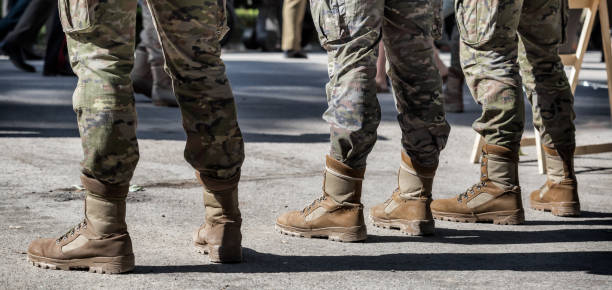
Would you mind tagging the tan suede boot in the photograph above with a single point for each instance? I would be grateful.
(496, 198)
(337, 215)
(559, 194)
(162, 93)
(408, 209)
(453, 91)
(219, 237)
(100, 243)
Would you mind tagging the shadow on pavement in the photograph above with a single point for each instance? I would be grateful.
(599, 263)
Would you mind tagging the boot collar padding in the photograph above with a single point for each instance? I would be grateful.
(97, 187)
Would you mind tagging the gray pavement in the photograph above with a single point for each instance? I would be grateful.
(280, 104)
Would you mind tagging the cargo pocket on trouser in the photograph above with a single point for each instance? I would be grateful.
(330, 20)
(77, 15)
(483, 22)
(222, 28)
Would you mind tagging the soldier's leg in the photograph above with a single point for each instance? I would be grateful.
(190, 31)
(417, 88)
(489, 46)
(542, 30)
(349, 31)
(101, 48)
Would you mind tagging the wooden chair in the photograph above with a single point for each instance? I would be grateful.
(575, 62)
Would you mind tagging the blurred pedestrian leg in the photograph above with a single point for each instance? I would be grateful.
(8, 22)
(148, 75)
(293, 18)
(26, 31)
(381, 70)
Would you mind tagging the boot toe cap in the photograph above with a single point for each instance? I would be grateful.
(442, 205)
(288, 219)
(40, 247)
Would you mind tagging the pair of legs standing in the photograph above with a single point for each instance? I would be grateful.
(101, 36)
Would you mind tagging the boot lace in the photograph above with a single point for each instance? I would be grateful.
(71, 232)
(313, 204)
(470, 191)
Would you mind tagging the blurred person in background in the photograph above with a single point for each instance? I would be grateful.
(148, 75)
(16, 43)
(293, 18)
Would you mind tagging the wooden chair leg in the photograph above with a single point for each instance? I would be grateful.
(605, 37)
(540, 152)
(477, 149)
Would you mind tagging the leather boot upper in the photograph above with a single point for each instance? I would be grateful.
(80, 243)
(561, 184)
(223, 218)
(497, 190)
(412, 199)
(340, 205)
(103, 233)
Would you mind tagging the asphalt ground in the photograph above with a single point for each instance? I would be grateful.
(280, 103)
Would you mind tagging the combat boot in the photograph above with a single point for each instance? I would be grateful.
(559, 194)
(453, 91)
(100, 243)
(496, 198)
(142, 80)
(408, 209)
(337, 215)
(162, 93)
(219, 237)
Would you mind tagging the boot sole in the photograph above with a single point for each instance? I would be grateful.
(101, 265)
(408, 227)
(558, 208)
(506, 217)
(338, 234)
(220, 254)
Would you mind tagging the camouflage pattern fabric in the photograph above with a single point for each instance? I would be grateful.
(101, 48)
(350, 32)
(499, 39)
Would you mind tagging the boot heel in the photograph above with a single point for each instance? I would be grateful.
(114, 265)
(418, 228)
(565, 208)
(516, 217)
(355, 234)
(221, 254)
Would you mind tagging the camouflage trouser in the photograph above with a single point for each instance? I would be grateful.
(501, 37)
(101, 47)
(350, 30)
